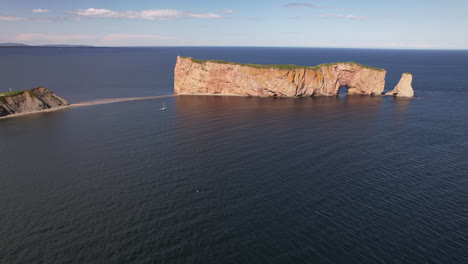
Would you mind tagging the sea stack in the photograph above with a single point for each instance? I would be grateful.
(403, 88)
(32, 100)
(212, 77)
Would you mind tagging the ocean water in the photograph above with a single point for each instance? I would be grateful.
(348, 179)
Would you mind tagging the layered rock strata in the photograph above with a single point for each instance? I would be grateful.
(403, 88)
(36, 99)
(192, 76)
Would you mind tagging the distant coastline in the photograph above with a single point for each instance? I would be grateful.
(22, 45)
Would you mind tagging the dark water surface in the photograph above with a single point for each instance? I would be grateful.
(346, 179)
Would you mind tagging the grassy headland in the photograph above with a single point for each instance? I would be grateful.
(8, 94)
(14, 93)
(282, 66)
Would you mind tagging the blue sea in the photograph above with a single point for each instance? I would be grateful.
(347, 179)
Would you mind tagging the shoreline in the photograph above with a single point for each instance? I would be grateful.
(37, 112)
(89, 103)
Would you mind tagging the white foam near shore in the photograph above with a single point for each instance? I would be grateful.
(90, 103)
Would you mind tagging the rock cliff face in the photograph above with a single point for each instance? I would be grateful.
(403, 88)
(36, 99)
(193, 76)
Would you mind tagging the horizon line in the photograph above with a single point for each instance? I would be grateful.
(22, 45)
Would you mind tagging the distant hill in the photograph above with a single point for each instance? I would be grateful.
(12, 44)
(65, 46)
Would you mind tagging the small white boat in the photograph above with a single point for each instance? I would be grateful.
(163, 107)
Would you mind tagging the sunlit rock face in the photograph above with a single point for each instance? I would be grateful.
(193, 76)
(403, 88)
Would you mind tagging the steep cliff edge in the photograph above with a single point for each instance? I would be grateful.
(192, 76)
(36, 99)
(403, 88)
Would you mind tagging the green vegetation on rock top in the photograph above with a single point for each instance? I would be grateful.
(281, 66)
(9, 94)
(13, 93)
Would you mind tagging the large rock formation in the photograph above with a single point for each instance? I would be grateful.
(193, 76)
(36, 99)
(403, 88)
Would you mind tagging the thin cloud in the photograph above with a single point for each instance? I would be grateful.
(119, 37)
(89, 39)
(12, 18)
(351, 17)
(92, 12)
(133, 39)
(293, 5)
(40, 11)
(228, 11)
(41, 19)
(54, 39)
(152, 14)
(202, 15)
(405, 45)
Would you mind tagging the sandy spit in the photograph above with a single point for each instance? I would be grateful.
(118, 100)
(90, 103)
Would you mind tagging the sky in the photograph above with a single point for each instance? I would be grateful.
(397, 24)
